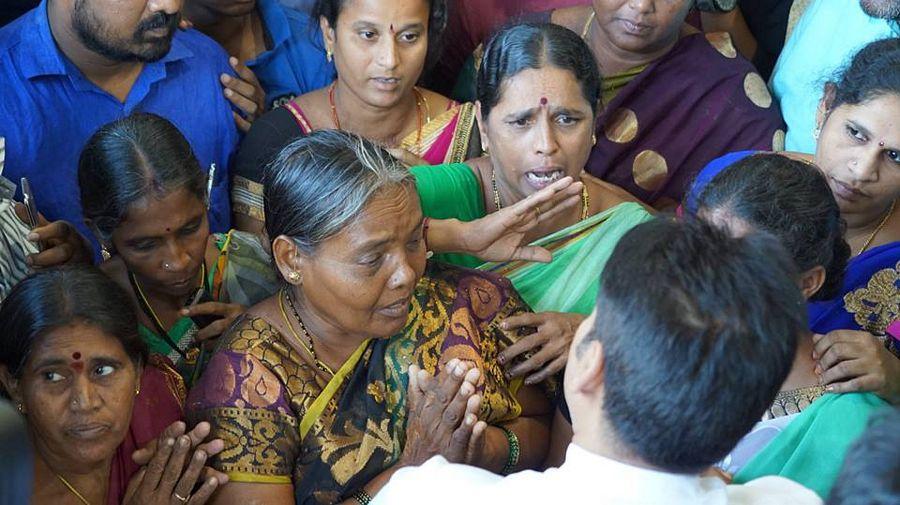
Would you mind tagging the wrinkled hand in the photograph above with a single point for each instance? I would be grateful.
(500, 236)
(442, 418)
(60, 241)
(227, 312)
(552, 338)
(244, 92)
(173, 465)
(407, 158)
(850, 361)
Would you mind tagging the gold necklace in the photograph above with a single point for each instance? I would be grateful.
(419, 119)
(72, 489)
(152, 313)
(883, 222)
(308, 348)
(585, 198)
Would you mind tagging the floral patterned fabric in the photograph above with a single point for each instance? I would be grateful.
(257, 390)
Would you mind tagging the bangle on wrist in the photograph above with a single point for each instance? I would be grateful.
(512, 459)
(362, 497)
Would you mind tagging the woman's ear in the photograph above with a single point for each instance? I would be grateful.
(327, 34)
(10, 385)
(825, 104)
(482, 128)
(288, 259)
(812, 280)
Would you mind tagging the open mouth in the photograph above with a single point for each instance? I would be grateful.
(540, 179)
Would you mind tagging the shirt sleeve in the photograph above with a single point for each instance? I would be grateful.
(409, 485)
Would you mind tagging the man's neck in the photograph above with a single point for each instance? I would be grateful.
(602, 441)
(114, 77)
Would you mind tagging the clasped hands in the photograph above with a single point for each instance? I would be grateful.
(443, 415)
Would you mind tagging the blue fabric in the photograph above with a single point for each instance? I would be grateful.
(825, 39)
(49, 109)
(296, 63)
(709, 171)
(832, 315)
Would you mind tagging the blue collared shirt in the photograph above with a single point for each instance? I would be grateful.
(49, 109)
(296, 62)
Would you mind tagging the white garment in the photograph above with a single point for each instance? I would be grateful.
(584, 477)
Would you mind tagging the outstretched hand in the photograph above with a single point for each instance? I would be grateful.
(500, 236)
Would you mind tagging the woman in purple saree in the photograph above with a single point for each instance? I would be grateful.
(674, 99)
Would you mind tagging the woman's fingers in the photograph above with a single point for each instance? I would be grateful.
(524, 319)
(174, 466)
(205, 492)
(546, 354)
(52, 256)
(548, 194)
(189, 478)
(548, 371)
(524, 345)
(157, 464)
(458, 448)
(242, 124)
(535, 254)
(837, 353)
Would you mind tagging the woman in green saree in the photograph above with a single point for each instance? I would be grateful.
(312, 390)
(144, 197)
(538, 93)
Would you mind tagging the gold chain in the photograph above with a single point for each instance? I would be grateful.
(73, 490)
(883, 222)
(308, 348)
(585, 198)
(140, 293)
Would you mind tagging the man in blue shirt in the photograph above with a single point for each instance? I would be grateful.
(71, 66)
(282, 46)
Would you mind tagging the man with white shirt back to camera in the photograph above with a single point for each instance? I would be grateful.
(692, 336)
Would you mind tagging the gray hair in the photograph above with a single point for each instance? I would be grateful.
(319, 184)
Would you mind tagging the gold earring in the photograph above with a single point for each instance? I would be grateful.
(593, 139)
(20, 408)
(328, 54)
(137, 390)
(104, 253)
(294, 277)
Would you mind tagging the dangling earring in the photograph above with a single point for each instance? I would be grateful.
(104, 252)
(20, 408)
(137, 390)
(328, 54)
(816, 132)
(593, 139)
(294, 277)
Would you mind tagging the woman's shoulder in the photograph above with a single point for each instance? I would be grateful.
(454, 286)
(435, 102)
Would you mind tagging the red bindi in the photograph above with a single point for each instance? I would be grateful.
(392, 28)
(543, 100)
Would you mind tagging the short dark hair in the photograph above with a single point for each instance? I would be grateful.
(437, 22)
(131, 158)
(533, 46)
(60, 296)
(699, 331)
(874, 71)
(871, 471)
(791, 200)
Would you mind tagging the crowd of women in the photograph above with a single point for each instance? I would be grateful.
(383, 232)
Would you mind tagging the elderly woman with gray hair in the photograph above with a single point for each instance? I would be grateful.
(369, 358)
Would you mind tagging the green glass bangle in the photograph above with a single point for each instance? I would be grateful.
(513, 458)
(362, 497)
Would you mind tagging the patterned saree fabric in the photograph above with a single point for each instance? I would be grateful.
(284, 423)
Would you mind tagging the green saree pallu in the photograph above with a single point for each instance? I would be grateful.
(811, 449)
(570, 282)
